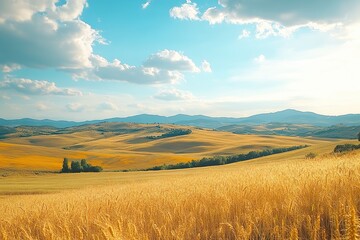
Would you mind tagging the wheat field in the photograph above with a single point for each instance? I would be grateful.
(307, 199)
(131, 149)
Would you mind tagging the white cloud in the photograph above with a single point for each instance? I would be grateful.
(280, 18)
(244, 34)
(31, 28)
(213, 16)
(289, 13)
(174, 95)
(57, 27)
(75, 107)
(206, 67)
(167, 66)
(9, 68)
(171, 60)
(145, 5)
(23, 10)
(71, 10)
(108, 106)
(36, 87)
(260, 59)
(187, 11)
(104, 70)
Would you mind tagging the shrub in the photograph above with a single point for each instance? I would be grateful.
(310, 155)
(346, 148)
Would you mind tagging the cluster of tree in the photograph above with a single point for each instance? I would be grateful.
(172, 133)
(346, 148)
(221, 160)
(79, 166)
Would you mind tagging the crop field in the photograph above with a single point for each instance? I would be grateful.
(117, 146)
(282, 196)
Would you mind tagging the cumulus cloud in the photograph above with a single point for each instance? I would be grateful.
(29, 28)
(206, 67)
(213, 15)
(23, 10)
(174, 95)
(116, 70)
(280, 18)
(70, 10)
(171, 60)
(167, 66)
(187, 10)
(289, 13)
(36, 87)
(50, 34)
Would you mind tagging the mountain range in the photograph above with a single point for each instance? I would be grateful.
(289, 116)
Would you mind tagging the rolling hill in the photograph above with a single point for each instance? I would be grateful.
(303, 130)
(118, 146)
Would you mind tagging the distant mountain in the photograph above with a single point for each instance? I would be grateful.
(35, 122)
(298, 117)
(287, 116)
(302, 130)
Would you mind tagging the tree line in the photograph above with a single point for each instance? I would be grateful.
(347, 147)
(79, 166)
(172, 133)
(221, 160)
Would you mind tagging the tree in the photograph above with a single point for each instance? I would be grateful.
(359, 136)
(84, 165)
(79, 166)
(75, 167)
(65, 167)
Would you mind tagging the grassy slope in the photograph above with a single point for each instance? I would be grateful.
(21, 183)
(115, 146)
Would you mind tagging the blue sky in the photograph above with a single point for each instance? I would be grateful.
(81, 60)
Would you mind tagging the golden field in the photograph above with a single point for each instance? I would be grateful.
(117, 146)
(281, 196)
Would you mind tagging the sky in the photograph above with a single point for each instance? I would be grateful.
(87, 59)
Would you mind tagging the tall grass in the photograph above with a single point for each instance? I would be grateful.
(311, 199)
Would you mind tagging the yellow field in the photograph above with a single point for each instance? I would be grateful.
(131, 150)
(282, 196)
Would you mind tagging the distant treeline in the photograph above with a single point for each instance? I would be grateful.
(221, 160)
(79, 166)
(346, 148)
(172, 133)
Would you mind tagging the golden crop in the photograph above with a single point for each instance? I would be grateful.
(302, 199)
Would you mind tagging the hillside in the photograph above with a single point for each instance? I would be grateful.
(117, 146)
(303, 130)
